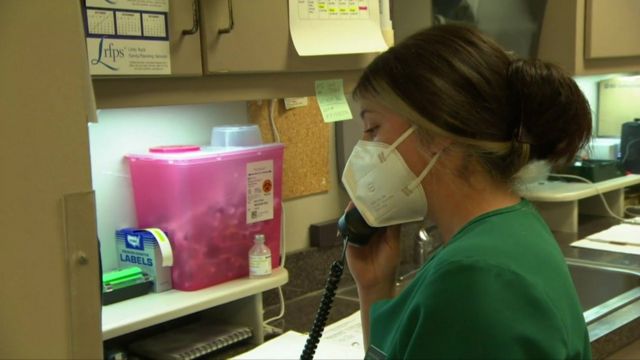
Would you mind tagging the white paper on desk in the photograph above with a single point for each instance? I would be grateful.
(290, 345)
(347, 332)
(330, 27)
(599, 245)
(624, 233)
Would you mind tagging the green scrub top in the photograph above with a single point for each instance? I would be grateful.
(499, 289)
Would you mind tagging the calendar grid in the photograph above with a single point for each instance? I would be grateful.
(158, 30)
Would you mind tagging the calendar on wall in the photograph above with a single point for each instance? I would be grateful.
(127, 37)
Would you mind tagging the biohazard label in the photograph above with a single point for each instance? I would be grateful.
(259, 191)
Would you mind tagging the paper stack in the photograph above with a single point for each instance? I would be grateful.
(341, 340)
(624, 238)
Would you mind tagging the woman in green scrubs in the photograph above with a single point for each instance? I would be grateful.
(450, 119)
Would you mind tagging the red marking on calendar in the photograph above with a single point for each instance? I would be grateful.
(364, 8)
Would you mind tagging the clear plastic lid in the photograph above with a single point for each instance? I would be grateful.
(245, 135)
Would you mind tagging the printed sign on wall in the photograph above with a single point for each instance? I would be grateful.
(127, 37)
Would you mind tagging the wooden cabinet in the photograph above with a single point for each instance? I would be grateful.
(592, 36)
(254, 59)
(50, 302)
(241, 36)
(410, 16)
(252, 36)
(612, 28)
(184, 38)
(583, 36)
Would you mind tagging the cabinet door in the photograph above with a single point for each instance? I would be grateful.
(612, 28)
(185, 47)
(259, 40)
(50, 301)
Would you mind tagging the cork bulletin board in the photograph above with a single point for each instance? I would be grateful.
(306, 137)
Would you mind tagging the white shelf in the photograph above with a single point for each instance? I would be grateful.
(154, 308)
(557, 191)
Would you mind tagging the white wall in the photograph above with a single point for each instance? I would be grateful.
(121, 131)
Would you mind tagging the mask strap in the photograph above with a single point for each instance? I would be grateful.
(385, 153)
(409, 188)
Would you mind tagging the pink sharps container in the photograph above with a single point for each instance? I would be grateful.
(211, 202)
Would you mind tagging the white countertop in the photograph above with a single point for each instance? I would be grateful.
(557, 191)
(147, 310)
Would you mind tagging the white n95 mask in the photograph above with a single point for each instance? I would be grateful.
(381, 185)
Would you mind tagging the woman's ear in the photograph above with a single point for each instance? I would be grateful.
(436, 145)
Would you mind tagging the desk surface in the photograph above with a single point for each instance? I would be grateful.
(151, 309)
(557, 191)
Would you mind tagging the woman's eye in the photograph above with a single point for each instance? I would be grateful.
(371, 130)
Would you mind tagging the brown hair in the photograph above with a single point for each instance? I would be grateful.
(452, 81)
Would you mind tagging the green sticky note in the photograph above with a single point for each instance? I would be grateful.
(333, 103)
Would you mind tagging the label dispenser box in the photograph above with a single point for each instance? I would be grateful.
(148, 249)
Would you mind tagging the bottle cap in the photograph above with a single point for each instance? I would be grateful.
(259, 238)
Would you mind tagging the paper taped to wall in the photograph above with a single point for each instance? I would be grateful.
(331, 27)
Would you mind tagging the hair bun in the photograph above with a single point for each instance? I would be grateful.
(550, 112)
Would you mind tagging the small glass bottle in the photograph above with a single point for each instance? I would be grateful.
(259, 258)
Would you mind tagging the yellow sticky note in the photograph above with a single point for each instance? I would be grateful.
(333, 103)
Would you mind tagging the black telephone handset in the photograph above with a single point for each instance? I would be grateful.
(354, 230)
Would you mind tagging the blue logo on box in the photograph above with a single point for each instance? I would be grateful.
(134, 242)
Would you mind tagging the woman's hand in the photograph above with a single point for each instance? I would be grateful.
(374, 265)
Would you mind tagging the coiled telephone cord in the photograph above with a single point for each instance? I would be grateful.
(322, 315)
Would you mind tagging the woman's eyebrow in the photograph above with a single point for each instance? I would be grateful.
(365, 112)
